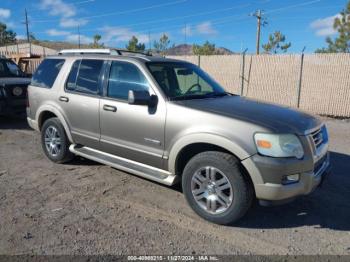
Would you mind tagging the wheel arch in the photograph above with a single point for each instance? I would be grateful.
(48, 111)
(205, 139)
(206, 142)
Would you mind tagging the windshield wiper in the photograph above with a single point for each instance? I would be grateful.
(216, 94)
(199, 96)
(187, 97)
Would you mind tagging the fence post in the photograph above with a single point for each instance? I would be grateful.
(199, 61)
(300, 76)
(242, 70)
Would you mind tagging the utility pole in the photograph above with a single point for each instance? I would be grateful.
(260, 22)
(149, 42)
(27, 29)
(185, 33)
(79, 36)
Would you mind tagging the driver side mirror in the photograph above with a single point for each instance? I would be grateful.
(142, 97)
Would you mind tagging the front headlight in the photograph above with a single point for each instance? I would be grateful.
(274, 145)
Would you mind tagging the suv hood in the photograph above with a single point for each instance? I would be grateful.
(14, 81)
(276, 118)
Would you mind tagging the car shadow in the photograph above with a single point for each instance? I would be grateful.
(327, 207)
(81, 161)
(14, 122)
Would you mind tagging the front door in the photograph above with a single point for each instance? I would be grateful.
(134, 132)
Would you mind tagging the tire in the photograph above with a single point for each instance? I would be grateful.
(228, 187)
(54, 141)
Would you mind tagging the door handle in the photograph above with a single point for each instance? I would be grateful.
(63, 98)
(109, 108)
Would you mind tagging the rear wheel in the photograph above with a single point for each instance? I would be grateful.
(55, 142)
(216, 187)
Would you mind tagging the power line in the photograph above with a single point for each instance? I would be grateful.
(37, 10)
(176, 18)
(169, 19)
(261, 20)
(219, 21)
(81, 2)
(293, 6)
(119, 12)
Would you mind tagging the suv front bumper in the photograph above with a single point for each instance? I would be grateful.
(268, 181)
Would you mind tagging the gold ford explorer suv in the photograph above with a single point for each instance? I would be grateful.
(168, 121)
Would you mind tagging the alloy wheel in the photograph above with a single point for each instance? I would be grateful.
(211, 190)
(52, 141)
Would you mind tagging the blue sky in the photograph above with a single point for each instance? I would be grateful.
(226, 23)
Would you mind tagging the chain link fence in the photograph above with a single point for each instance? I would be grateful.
(317, 83)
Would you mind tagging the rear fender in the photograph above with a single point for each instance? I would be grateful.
(60, 116)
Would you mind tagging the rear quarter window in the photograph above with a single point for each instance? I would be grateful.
(46, 73)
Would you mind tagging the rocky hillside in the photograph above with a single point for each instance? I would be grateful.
(185, 49)
(182, 49)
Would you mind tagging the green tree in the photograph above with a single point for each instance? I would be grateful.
(206, 49)
(276, 44)
(96, 43)
(341, 44)
(162, 45)
(33, 39)
(6, 36)
(134, 45)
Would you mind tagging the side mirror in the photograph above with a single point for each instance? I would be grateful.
(141, 97)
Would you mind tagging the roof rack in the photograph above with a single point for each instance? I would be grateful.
(87, 51)
(112, 51)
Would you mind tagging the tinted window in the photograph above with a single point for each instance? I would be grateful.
(184, 81)
(124, 77)
(72, 78)
(47, 72)
(84, 76)
(9, 69)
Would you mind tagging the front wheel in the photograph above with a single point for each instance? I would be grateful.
(216, 187)
(55, 142)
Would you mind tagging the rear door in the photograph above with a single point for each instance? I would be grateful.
(134, 132)
(80, 101)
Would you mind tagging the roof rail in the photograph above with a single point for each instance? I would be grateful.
(89, 51)
(126, 51)
(106, 51)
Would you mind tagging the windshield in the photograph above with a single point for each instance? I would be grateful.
(9, 69)
(184, 81)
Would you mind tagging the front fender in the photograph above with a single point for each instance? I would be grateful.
(207, 138)
(60, 116)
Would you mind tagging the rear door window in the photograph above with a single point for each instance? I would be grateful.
(84, 76)
(47, 72)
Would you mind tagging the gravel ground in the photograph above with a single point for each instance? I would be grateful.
(88, 208)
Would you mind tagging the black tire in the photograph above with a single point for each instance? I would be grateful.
(62, 155)
(242, 193)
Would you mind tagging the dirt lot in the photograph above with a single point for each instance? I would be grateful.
(88, 208)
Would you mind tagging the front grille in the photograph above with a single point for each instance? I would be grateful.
(317, 137)
(319, 164)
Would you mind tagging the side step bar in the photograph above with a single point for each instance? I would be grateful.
(149, 172)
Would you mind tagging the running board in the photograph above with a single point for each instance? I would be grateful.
(149, 172)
